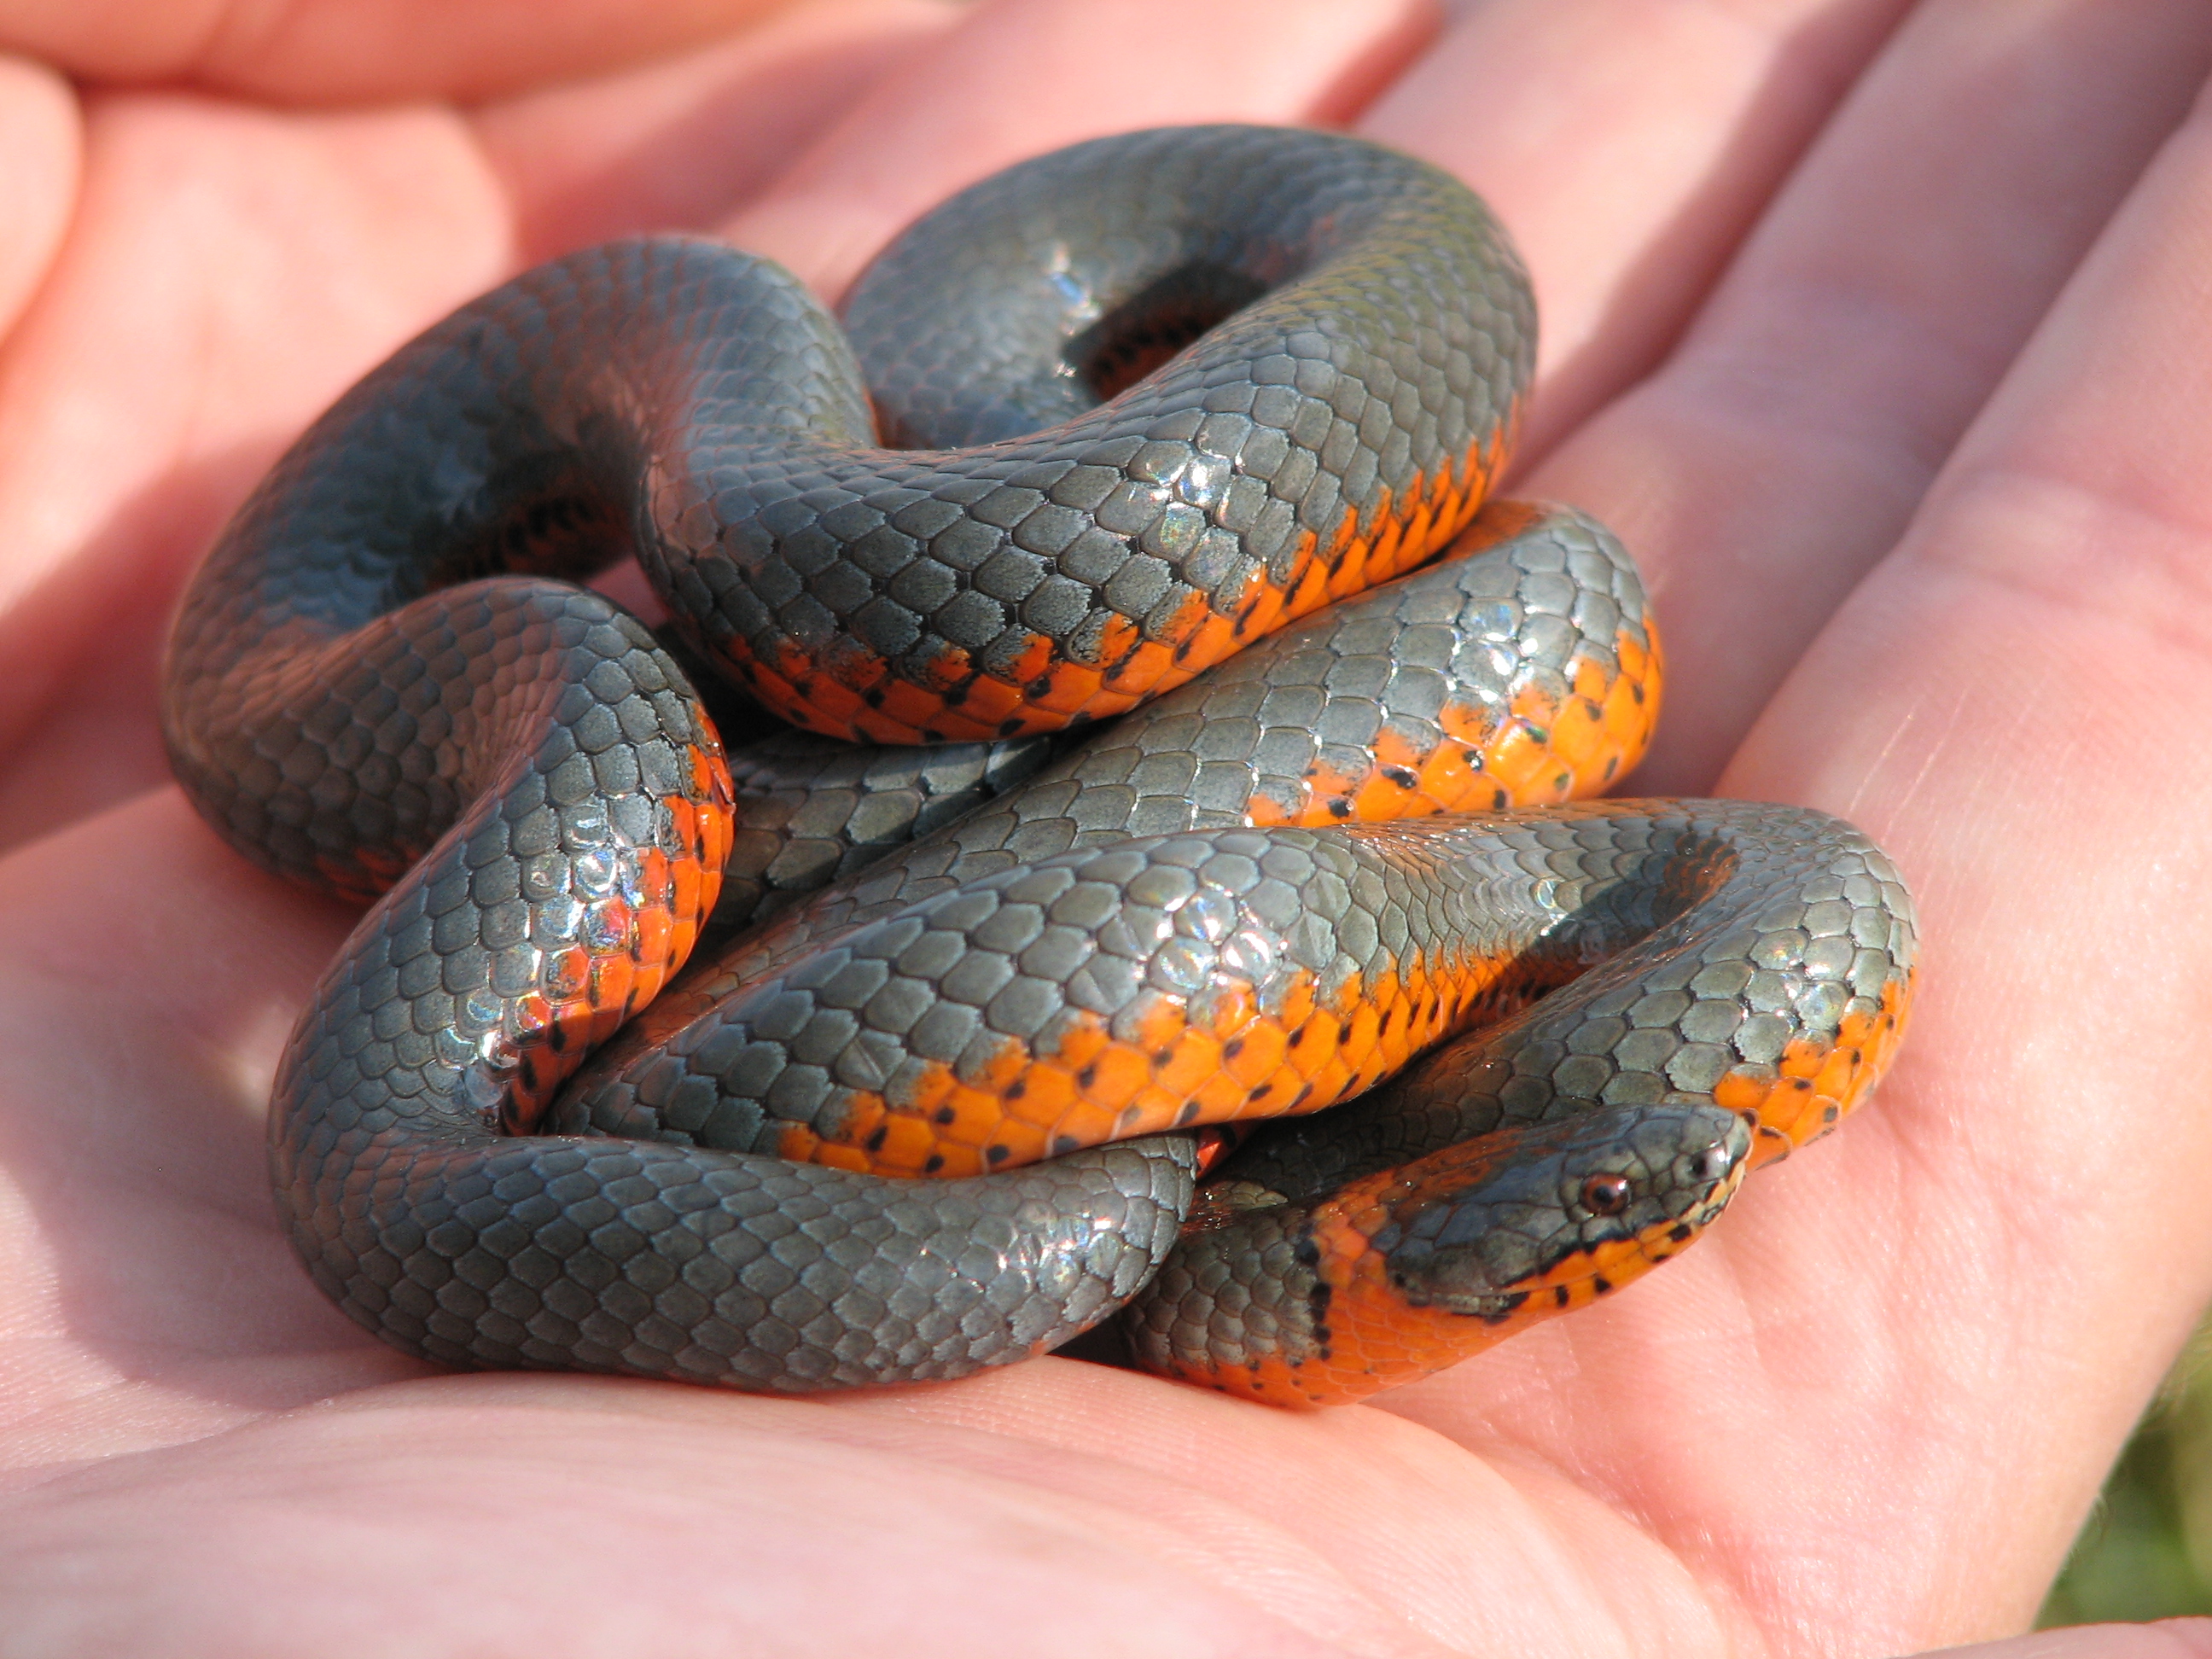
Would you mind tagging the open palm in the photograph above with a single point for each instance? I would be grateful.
(1881, 333)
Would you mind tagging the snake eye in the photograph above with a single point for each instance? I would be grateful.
(1606, 1195)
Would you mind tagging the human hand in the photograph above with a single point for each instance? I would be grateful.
(1865, 1416)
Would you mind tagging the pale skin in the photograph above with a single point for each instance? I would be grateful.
(1881, 335)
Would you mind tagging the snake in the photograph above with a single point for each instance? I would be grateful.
(1139, 867)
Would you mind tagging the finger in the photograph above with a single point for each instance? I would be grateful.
(1784, 445)
(1018, 77)
(1628, 147)
(1954, 1309)
(225, 273)
(2169, 1638)
(348, 51)
(678, 144)
(39, 135)
(2063, 866)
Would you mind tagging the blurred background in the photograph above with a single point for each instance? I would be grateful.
(2147, 1550)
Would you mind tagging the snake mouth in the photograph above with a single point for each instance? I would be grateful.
(1575, 1275)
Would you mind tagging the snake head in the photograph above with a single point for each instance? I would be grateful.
(1538, 1219)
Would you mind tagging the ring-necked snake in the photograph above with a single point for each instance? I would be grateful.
(1141, 403)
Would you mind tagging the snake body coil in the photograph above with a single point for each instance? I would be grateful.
(1154, 397)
